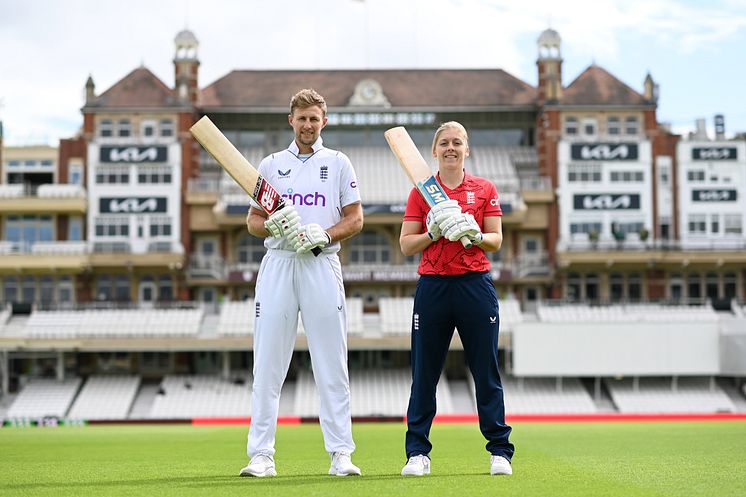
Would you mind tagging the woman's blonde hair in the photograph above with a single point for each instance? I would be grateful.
(450, 124)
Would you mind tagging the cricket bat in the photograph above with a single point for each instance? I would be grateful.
(240, 169)
(417, 170)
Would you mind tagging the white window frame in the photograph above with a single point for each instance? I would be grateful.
(124, 128)
(732, 224)
(146, 125)
(167, 128)
(613, 126)
(697, 224)
(106, 128)
(571, 126)
(589, 122)
(631, 126)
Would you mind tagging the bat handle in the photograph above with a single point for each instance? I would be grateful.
(466, 242)
(317, 250)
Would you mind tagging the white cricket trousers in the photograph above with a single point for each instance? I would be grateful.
(288, 283)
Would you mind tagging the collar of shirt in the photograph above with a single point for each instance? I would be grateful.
(467, 179)
(318, 145)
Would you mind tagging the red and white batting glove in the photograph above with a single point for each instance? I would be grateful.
(438, 214)
(309, 237)
(283, 222)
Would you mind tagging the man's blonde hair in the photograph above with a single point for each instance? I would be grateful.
(451, 124)
(307, 98)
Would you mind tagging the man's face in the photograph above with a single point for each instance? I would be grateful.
(307, 124)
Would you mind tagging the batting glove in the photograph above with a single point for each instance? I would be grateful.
(438, 214)
(462, 225)
(283, 222)
(309, 237)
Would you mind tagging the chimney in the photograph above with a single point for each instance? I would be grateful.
(701, 131)
(90, 90)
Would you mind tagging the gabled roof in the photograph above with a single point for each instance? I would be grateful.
(402, 88)
(140, 88)
(596, 86)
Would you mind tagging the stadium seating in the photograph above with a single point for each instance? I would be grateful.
(105, 323)
(396, 315)
(379, 392)
(379, 175)
(510, 314)
(658, 395)
(189, 396)
(625, 313)
(105, 397)
(543, 395)
(237, 318)
(44, 397)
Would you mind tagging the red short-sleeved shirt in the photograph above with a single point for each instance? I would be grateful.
(478, 197)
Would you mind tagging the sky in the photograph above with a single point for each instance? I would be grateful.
(693, 49)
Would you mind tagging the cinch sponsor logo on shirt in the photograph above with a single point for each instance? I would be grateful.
(494, 202)
(314, 198)
(353, 184)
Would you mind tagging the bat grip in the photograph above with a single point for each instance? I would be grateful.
(317, 250)
(466, 242)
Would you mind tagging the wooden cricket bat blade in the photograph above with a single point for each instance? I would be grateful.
(235, 164)
(417, 170)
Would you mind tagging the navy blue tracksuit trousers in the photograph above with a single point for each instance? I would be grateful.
(468, 303)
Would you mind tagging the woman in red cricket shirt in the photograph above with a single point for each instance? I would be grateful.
(455, 290)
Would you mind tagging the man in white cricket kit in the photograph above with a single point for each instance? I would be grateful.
(322, 207)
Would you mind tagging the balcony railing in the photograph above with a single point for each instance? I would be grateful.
(51, 190)
(530, 265)
(632, 242)
(210, 267)
(537, 184)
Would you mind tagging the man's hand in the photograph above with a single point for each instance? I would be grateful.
(309, 237)
(438, 215)
(462, 225)
(283, 222)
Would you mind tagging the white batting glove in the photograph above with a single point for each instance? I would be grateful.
(309, 237)
(462, 225)
(438, 214)
(283, 222)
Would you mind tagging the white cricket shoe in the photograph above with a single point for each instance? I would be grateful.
(500, 466)
(261, 465)
(417, 466)
(342, 465)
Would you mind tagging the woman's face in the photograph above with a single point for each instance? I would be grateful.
(451, 148)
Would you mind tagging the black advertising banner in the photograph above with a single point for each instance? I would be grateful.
(714, 195)
(133, 154)
(604, 151)
(606, 201)
(132, 205)
(714, 153)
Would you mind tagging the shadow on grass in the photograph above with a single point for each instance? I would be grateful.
(233, 481)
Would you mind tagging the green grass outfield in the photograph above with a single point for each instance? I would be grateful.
(676, 459)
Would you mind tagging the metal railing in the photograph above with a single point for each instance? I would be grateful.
(635, 244)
